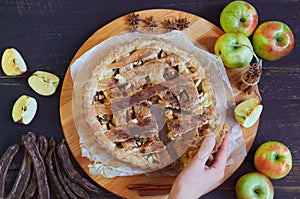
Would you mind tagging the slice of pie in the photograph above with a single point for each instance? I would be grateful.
(149, 103)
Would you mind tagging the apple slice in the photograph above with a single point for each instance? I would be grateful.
(13, 63)
(24, 109)
(43, 83)
(248, 112)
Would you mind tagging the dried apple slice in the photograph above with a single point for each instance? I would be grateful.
(24, 109)
(248, 112)
(44, 83)
(13, 63)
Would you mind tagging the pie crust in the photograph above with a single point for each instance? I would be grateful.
(149, 103)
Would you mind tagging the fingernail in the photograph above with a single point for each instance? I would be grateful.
(207, 147)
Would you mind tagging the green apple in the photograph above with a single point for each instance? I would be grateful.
(273, 40)
(235, 49)
(13, 63)
(24, 109)
(239, 16)
(44, 83)
(254, 185)
(247, 112)
(273, 159)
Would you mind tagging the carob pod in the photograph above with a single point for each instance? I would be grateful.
(32, 134)
(64, 184)
(32, 187)
(42, 144)
(80, 192)
(63, 155)
(5, 161)
(39, 166)
(22, 179)
(53, 179)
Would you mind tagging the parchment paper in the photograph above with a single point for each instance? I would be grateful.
(106, 165)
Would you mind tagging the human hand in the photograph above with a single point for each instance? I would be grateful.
(198, 178)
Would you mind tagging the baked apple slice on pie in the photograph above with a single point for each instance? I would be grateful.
(149, 103)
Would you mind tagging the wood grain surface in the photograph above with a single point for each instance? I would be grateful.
(199, 30)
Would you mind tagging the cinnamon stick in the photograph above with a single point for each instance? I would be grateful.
(250, 78)
(151, 189)
(153, 192)
(250, 90)
(243, 86)
(149, 186)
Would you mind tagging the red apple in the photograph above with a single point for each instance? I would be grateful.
(239, 16)
(273, 159)
(254, 185)
(235, 49)
(273, 40)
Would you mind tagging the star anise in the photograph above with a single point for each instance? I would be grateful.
(134, 20)
(170, 24)
(182, 23)
(150, 22)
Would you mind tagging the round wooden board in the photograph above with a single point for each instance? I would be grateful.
(200, 31)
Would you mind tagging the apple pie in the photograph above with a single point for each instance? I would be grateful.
(149, 103)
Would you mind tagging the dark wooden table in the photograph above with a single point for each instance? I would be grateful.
(49, 33)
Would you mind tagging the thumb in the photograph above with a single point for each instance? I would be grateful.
(205, 150)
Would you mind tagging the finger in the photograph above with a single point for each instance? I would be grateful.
(205, 150)
(221, 155)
